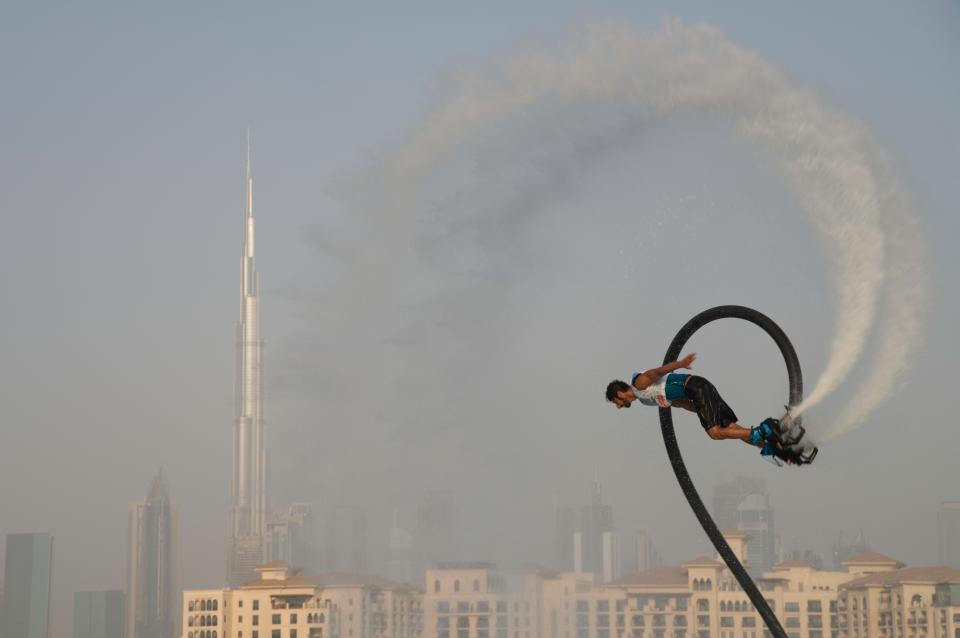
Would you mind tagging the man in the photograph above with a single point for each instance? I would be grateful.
(662, 387)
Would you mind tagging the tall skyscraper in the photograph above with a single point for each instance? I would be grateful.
(842, 549)
(152, 600)
(434, 535)
(290, 537)
(742, 504)
(948, 534)
(728, 496)
(27, 581)
(566, 524)
(248, 487)
(595, 546)
(346, 540)
(400, 557)
(755, 519)
(98, 614)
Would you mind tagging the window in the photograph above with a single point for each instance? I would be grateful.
(443, 623)
(275, 633)
(275, 619)
(726, 621)
(240, 603)
(791, 605)
(256, 605)
(483, 607)
(703, 604)
(191, 605)
(256, 620)
(443, 607)
(813, 606)
(476, 585)
(603, 605)
(748, 621)
(679, 621)
(456, 585)
(239, 619)
(436, 586)
(255, 634)
(582, 606)
(463, 607)
(293, 621)
(792, 622)
(815, 622)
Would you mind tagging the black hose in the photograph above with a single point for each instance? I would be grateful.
(676, 460)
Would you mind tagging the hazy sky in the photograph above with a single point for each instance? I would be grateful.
(460, 349)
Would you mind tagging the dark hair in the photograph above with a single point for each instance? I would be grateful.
(616, 386)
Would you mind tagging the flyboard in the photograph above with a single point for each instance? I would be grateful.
(790, 448)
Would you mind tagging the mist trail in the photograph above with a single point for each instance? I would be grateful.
(611, 81)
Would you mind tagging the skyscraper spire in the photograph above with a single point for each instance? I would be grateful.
(248, 485)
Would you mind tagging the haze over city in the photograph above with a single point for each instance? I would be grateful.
(457, 250)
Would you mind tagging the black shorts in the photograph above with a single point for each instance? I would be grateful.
(710, 407)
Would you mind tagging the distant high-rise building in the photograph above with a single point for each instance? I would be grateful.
(346, 540)
(434, 532)
(806, 556)
(152, 600)
(948, 534)
(28, 579)
(755, 518)
(248, 486)
(743, 505)
(98, 614)
(400, 546)
(728, 496)
(290, 536)
(594, 542)
(566, 525)
(645, 554)
(843, 550)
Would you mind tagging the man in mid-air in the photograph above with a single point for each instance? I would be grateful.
(663, 387)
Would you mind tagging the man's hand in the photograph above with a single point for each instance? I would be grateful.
(687, 361)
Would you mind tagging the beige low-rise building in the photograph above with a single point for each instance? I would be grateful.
(873, 596)
(282, 603)
(699, 598)
(901, 602)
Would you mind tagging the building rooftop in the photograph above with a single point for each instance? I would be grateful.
(326, 581)
(702, 561)
(872, 558)
(664, 575)
(933, 574)
(450, 565)
(791, 564)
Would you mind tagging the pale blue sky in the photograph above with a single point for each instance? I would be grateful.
(121, 147)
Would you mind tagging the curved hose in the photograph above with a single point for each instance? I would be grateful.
(676, 460)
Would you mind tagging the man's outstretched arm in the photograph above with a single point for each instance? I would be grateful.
(653, 375)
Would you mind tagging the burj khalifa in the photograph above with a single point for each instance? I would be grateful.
(249, 482)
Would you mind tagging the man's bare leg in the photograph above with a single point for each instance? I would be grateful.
(732, 431)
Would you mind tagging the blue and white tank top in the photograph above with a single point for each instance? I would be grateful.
(661, 394)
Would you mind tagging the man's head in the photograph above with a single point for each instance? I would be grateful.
(620, 394)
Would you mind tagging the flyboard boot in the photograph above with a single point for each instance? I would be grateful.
(779, 440)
